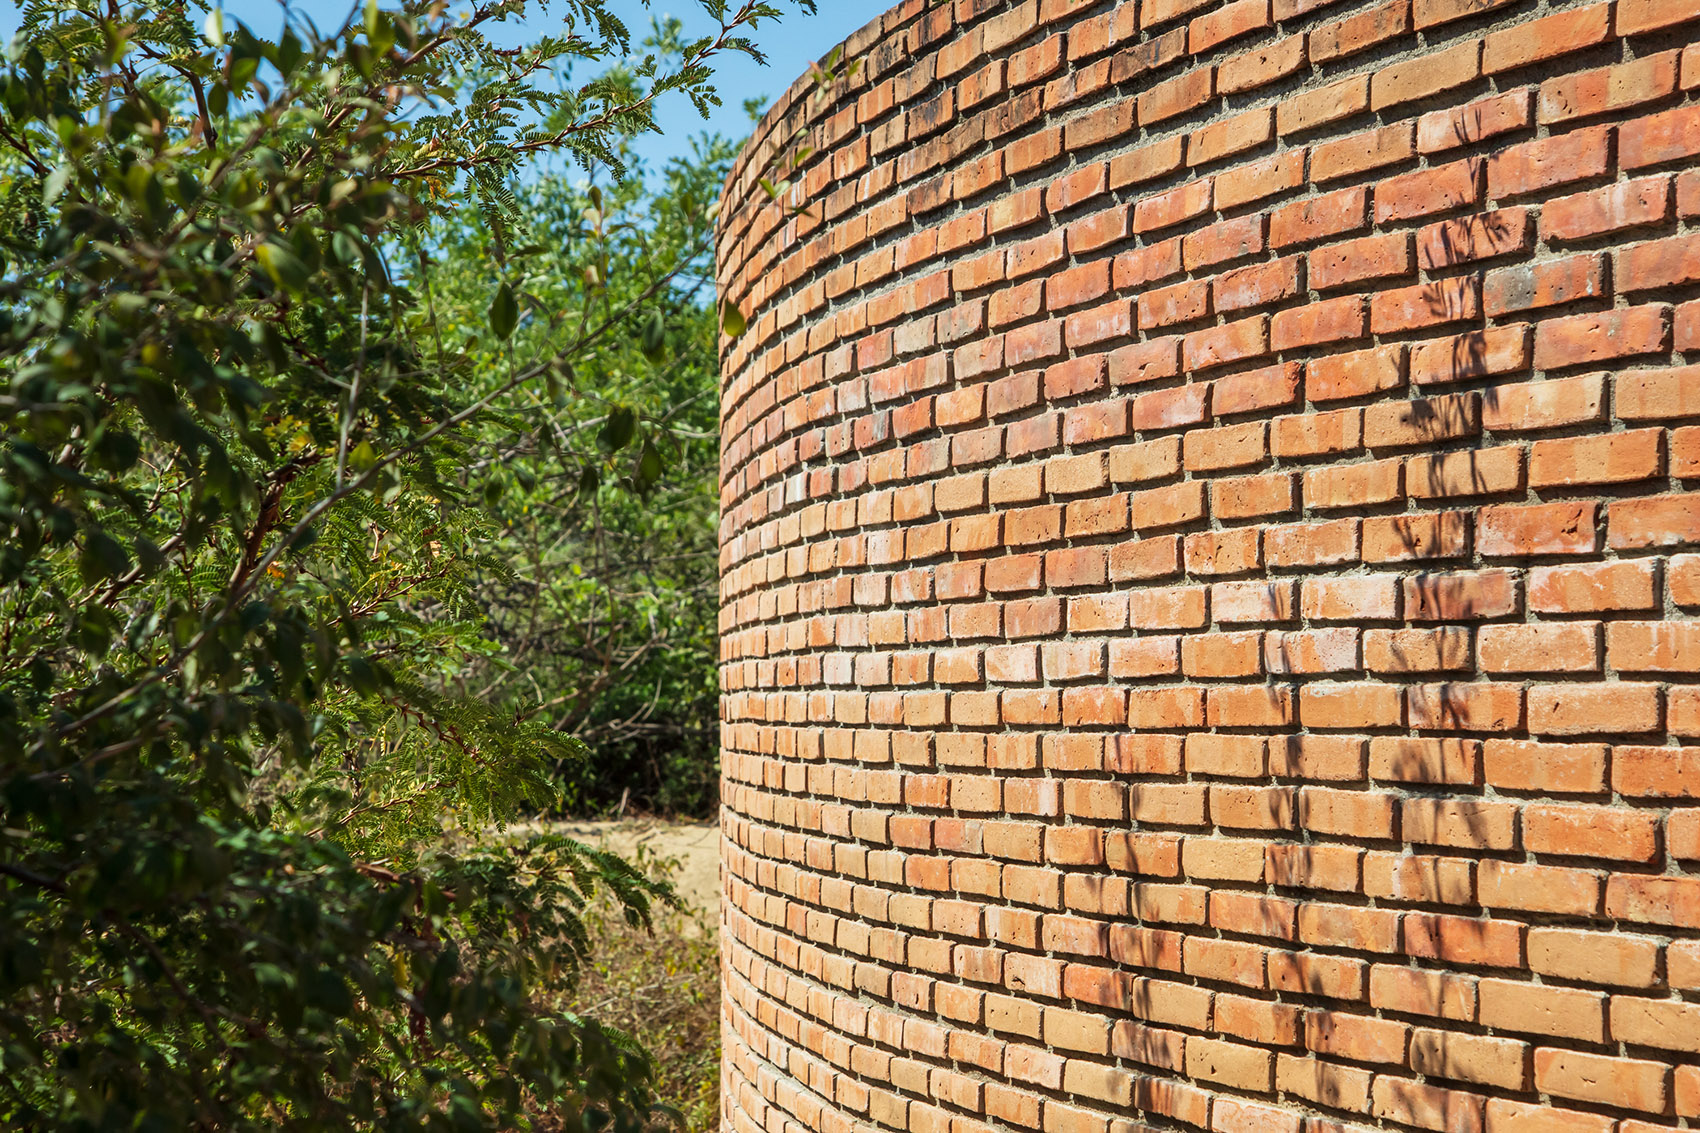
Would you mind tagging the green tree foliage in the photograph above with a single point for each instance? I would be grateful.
(254, 493)
(603, 492)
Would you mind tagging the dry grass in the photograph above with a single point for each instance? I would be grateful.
(663, 989)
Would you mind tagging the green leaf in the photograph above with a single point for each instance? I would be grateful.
(648, 466)
(283, 265)
(732, 319)
(504, 312)
(618, 430)
(653, 335)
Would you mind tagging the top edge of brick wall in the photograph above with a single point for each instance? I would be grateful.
(851, 46)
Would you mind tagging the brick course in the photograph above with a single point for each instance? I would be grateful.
(1208, 573)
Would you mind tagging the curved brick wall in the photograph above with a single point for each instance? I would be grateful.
(1210, 574)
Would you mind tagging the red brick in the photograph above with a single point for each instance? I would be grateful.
(1339, 376)
(1673, 901)
(1314, 109)
(1360, 153)
(1441, 130)
(1523, 765)
(1477, 237)
(1426, 304)
(1621, 333)
(1475, 354)
(1369, 257)
(1360, 32)
(1653, 521)
(1244, 184)
(1658, 264)
(1533, 166)
(1592, 586)
(1636, 16)
(1606, 89)
(1231, 342)
(1260, 65)
(1628, 1083)
(1176, 96)
(1618, 707)
(1317, 218)
(1549, 38)
(1614, 208)
(1222, 242)
(1428, 13)
(1437, 189)
(1524, 287)
(1426, 75)
(1332, 320)
(1659, 138)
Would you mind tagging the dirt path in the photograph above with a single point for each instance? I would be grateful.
(694, 845)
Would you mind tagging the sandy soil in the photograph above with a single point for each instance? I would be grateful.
(695, 846)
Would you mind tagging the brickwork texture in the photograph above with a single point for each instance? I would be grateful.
(1210, 573)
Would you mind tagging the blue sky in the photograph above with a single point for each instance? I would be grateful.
(790, 44)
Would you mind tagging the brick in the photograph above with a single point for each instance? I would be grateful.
(1653, 521)
(1637, 454)
(1625, 205)
(1653, 395)
(1427, 75)
(1319, 217)
(1360, 32)
(1624, 1082)
(1619, 707)
(1471, 473)
(1470, 1058)
(1658, 264)
(1533, 166)
(1258, 180)
(1441, 130)
(1426, 304)
(1351, 262)
(1332, 320)
(1523, 765)
(1419, 422)
(1464, 940)
(1417, 650)
(1636, 16)
(1659, 138)
(1355, 374)
(1565, 647)
(1465, 707)
(1540, 40)
(1324, 106)
(1524, 287)
(1593, 957)
(1360, 153)
(1590, 831)
(1475, 354)
(1438, 189)
(1425, 1106)
(1663, 1024)
(1607, 89)
(1538, 888)
(1229, 136)
(1413, 991)
(1477, 237)
(1176, 96)
(1260, 65)
(1673, 901)
(1581, 339)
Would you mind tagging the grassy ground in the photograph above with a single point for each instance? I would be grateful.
(664, 989)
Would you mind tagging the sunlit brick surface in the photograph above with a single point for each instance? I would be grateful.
(1209, 574)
